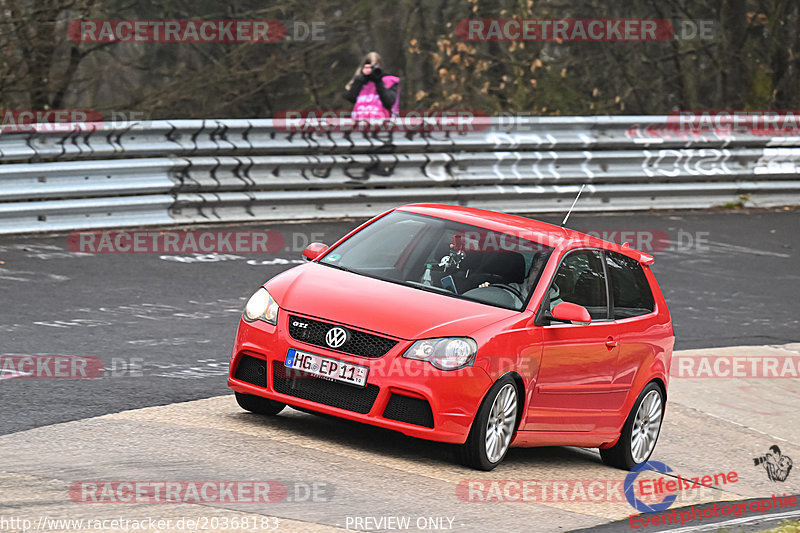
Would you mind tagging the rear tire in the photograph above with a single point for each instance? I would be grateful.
(259, 405)
(640, 432)
(493, 427)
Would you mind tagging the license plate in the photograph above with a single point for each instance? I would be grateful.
(326, 367)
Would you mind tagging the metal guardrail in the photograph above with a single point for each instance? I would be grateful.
(199, 171)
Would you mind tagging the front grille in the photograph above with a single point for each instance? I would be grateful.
(252, 370)
(358, 342)
(308, 387)
(410, 410)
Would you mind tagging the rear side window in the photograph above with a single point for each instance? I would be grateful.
(580, 280)
(631, 295)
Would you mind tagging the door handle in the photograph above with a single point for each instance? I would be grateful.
(611, 343)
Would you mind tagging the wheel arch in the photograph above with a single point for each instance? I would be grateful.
(520, 383)
(661, 385)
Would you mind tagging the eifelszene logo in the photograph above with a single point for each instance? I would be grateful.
(638, 504)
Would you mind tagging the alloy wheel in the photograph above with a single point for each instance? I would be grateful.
(646, 426)
(500, 426)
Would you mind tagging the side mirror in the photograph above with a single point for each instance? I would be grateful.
(567, 312)
(314, 250)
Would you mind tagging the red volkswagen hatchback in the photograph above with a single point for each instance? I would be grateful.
(470, 327)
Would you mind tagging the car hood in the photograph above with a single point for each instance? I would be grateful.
(380, 306)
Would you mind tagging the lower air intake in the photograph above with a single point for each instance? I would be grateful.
(252, 370)
(409, 410)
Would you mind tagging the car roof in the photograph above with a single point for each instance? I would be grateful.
(534, 230)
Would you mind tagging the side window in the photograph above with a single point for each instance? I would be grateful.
(630, 290)
(580, 280)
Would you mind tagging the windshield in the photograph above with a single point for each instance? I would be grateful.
(454, 259)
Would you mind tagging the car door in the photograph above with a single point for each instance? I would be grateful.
(633, 309)
(575, 390)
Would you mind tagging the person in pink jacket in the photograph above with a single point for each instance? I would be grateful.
(374, 93)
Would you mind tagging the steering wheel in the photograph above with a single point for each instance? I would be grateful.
(513, 290)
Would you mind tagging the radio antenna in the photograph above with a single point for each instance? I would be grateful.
(573, 205)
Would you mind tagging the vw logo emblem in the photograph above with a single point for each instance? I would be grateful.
(336, 337)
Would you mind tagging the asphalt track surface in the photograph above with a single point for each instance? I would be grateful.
(176, 320)
(163, 325)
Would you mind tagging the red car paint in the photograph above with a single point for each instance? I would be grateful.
(579, 382)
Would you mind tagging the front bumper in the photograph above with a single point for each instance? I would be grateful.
(397, 388)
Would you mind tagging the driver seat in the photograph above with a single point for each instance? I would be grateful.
(500, 267)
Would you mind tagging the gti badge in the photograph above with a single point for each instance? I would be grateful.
(336, 337)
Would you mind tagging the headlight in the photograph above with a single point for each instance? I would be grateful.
(450, 353)
(261, 306)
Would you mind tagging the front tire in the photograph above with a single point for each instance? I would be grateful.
(259, 405)
(640, 432)
(493, 427)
